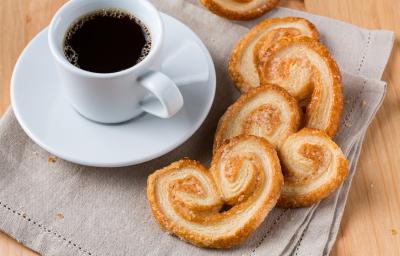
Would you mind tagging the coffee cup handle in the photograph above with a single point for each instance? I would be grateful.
(168, 99)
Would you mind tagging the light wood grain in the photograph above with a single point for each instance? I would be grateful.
(373, 208)
(10, 247)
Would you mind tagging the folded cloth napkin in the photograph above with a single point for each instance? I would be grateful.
(60, 208)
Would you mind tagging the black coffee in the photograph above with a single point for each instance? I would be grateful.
(107, 41)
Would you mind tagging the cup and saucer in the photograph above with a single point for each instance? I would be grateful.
(114, 119)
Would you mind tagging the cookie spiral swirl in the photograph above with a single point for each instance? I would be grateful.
(267, 111)
(187, 200)
(239, 9)
(313, 166)
(245, 55)
(305, 69)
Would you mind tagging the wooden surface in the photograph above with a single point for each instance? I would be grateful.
(371, 222)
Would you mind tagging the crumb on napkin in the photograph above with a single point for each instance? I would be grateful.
(52, 159)
(60, 216)
(363, 103)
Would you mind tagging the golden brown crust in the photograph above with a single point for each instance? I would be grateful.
(319, 114)
(241, 78)
(269, 39)
(268, 95)
(245, 10)
(304, 187)
(230, 227)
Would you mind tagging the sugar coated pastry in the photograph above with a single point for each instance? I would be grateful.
(244, 58)
(220, 207)
(267, 111)
(305, 69)
(313, 166)
(239, 9)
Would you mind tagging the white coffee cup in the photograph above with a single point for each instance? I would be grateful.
(120, 96)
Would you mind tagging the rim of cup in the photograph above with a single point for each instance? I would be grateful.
(61, 58)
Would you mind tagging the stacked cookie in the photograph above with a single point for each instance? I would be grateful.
(272, 146)
(286, 52)
(222, 206)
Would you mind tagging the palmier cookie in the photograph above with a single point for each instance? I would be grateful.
(220, 207)
(244, 58)
(305, 68)
(239, 9)
(313, 166)
(267, 111)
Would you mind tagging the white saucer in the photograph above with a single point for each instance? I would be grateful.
(51, 122)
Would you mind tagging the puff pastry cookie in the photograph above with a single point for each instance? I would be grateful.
(313, 166)
(304, 67)
(267, 111)
(239, 9)
(244, 58)
(186, 199)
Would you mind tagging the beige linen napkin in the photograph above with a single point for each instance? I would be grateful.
(66, 209)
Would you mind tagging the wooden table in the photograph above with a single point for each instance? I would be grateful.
(371, 222)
